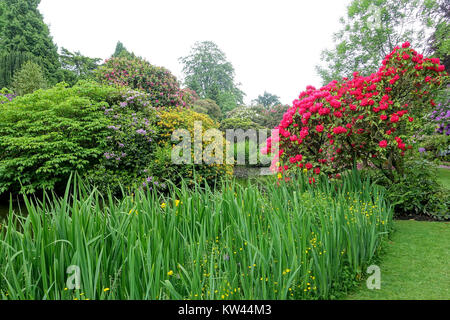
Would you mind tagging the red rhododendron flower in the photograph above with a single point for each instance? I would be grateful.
(395, 118)
(319, 128)
(339, 130)
(383, 144)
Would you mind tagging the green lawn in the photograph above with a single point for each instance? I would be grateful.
(416, 264)
(444, 177)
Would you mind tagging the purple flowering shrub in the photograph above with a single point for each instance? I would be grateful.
(130, 144)
(435, 142)
(6, 96)
(441, 116)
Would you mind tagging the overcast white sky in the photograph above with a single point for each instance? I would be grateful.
(273, 45)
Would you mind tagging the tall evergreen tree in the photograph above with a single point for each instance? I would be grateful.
(10, 63)
(23, 31)
(122, 52)
(2, 15)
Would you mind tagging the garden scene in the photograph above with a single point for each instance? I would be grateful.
(121, 181)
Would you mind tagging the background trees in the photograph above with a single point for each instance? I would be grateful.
(267, 100)
(437, 13)
(122, 52)
(76, 66)
(208, 73)
(28, 79)
(23, 32)
(372, 29)
(209, 107)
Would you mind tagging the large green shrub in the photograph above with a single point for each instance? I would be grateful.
(417, 191)
(209, 107)
(168, 122)
(112, 136)
(47, 134)
(238, 123)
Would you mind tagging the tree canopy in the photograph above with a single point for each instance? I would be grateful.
(208, 72)
(23, 31)
(372, 29)
(268, 100)
(79, 67)
(28, 79)
(122, 52)
(437, 13)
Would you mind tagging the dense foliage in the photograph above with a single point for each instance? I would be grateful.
(28, 79)
(417, 191)
(209, 107)
(238, 243)
(10, 62)
(370, 30)
(128, 150)
(168, 122)
(6, 95)
(238, 123)
(208, 73)
(364, 119)
(76, 66)
(136, 73)
(46, 135)
(434, 138)
(23, 31)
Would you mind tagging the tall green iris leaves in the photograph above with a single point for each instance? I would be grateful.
(291, 241)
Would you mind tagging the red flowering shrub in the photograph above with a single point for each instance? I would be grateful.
(137, 73)
(364, 119)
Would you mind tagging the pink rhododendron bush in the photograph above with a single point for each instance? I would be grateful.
(137, 73)
(364, 120)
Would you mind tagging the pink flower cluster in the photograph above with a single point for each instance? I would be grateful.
(331, 128)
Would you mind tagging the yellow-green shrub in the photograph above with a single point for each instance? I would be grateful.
(171, 120)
